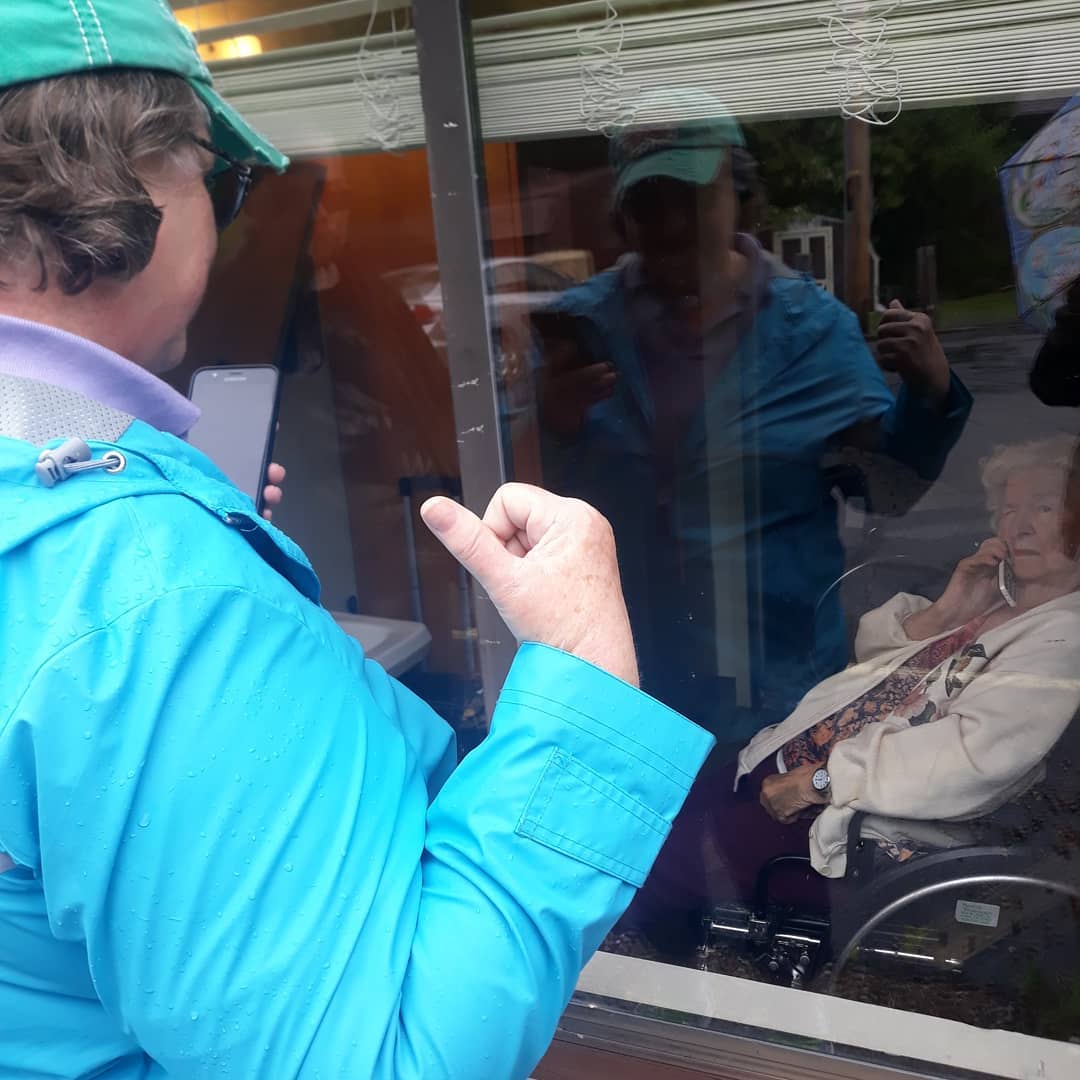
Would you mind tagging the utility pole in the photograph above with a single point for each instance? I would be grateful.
(859, 198)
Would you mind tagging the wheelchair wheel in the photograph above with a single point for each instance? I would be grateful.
(998, 950)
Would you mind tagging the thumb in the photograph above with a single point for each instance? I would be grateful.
(467, 538)
(895, 305)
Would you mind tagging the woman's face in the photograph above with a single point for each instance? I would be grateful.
(1030, 523)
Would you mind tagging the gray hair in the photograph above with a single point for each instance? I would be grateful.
(1054, 452)
(71, 201)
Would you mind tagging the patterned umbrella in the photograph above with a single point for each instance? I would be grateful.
(1041, 184)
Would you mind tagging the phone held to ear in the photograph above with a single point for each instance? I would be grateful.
(1007, 582)
(236, 429)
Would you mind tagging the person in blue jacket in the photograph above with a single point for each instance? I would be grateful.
(712, 402)
(229, 844)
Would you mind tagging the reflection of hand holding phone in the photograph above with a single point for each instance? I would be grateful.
(1007, 582)
(236, 428)
(572, 382)
(559, 335)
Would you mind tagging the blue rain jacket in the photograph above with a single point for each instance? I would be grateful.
(241, 850)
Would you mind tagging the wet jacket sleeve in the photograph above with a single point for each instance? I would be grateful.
(921, 436)
(239, 823)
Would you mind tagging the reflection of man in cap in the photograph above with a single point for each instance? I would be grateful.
(694, 391)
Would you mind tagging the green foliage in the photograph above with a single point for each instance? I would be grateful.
(935, 182)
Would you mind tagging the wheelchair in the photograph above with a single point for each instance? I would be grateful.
(983, 915)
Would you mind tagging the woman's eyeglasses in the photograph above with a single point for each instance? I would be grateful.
(228, 184)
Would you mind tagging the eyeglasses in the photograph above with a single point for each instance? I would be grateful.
(228, 184)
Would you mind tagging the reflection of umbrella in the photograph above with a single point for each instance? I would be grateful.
(1041, 184)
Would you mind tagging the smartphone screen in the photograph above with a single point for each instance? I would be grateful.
(236, 428)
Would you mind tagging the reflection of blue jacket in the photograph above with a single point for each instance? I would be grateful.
(240, 850)
(728, 580)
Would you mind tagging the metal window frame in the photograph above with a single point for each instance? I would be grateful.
(729, 1050)
(706, 1046)
(459, 203)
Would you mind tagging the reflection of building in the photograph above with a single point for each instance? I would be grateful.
(815, 246)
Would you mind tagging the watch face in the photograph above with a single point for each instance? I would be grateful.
(820, 780)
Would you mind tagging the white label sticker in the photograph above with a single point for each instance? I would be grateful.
(967, 911)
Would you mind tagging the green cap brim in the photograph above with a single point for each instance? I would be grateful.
(699, 165)
(230, 132)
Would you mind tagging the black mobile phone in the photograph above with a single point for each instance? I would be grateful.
(236, 428)
(555, 328)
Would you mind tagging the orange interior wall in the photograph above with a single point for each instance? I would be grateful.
(394, 404)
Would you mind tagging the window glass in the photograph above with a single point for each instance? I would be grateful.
(776, 291)
(230, 30)
(329, 273)
(313, 76)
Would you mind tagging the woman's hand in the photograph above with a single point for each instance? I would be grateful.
(549, 566)
(786, 795)
(569, 389)
(971, 590)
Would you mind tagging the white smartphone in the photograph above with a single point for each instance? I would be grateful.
(236, 429)
(1007, 582)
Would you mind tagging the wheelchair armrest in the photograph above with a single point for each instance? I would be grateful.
(858, 860)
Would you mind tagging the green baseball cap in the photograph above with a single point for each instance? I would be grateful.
(43, 39)
(683, 134)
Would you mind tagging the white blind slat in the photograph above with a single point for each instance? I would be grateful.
(762, 58)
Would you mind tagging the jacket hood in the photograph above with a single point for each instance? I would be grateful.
(156, 464)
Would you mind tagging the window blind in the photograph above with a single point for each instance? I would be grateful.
(762, 58)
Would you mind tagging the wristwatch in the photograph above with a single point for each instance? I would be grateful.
(821, 781)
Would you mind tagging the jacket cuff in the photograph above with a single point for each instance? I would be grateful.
(845, 779)
(883, 628)
(618, 764)
(954, 412)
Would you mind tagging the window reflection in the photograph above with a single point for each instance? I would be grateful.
(814, 456)
(702, 393)
(811, 515)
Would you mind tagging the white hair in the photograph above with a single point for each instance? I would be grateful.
(1055, 452)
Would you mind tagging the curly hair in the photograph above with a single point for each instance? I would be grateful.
(71, 200)
(1057, 452)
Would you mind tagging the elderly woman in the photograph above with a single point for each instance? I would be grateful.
(952, 706)
(948, 712)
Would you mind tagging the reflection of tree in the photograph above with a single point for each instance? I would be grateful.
(935, 182)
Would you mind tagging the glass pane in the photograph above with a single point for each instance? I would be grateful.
(320, 78)
(844, 517)
(330, 274)
(230, 30)
(817, 257)
(791, 251)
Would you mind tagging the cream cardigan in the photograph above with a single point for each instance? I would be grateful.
(987, 745)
